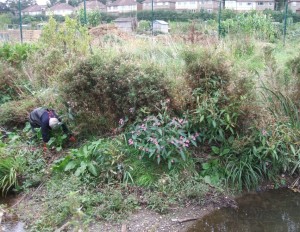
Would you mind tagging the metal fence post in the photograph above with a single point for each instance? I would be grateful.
(84, 9)
(284, 22)
(219, 19)
(20, 19)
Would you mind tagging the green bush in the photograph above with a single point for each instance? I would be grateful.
(100, 159)
(15, 54)
(162, 138)
(102, 91)
(15, 113)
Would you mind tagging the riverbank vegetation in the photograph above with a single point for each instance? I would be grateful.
(159, 121)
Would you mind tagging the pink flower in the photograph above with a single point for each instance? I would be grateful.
(264, 132)
(121, 122)
(130, 142)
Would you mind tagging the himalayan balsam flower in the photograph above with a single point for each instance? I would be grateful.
(264, 132)
(121, 122)
(130, 142)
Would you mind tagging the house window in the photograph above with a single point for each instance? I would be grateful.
(260, 3)
(159, 3)
(249, 3)
(270, 3)
(294, 3)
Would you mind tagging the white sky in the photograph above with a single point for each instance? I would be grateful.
(40, 2)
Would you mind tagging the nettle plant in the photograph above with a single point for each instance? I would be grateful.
(162, 137)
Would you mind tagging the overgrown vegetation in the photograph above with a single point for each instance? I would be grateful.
(158, 123)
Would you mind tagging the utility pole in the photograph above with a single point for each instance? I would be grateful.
(284, 22)
(20, 19)
(84, 11)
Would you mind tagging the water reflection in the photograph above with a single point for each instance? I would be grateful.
(273, 210)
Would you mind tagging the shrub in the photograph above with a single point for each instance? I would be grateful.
(216, 109)
(15, 54)
(103, 91)
(68, 36)
(100, 159)
(15, 113)
(162, 138)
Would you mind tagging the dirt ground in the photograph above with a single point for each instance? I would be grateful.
(178, 220)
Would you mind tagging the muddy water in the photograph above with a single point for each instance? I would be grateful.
(270, 211)
(9, 222)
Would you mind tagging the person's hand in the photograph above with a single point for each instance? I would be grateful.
(72, 139)
(45, 147)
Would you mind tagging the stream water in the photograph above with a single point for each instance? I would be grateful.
(270, 211)
(10, 223)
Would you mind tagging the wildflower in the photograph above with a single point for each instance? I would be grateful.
(264, 132)
(121, 122)
(167, 100)
(130, 142)
(131, 110)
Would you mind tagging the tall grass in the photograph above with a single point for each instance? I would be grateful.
(9, 170)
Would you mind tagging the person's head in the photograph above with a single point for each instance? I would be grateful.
(54, 123)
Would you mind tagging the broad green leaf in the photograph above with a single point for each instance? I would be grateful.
(92, 169)
(215, 149)
(70, 166)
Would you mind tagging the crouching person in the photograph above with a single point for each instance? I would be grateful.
(47, 120)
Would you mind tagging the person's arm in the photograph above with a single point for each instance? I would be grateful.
(45, 132)
(45, 127)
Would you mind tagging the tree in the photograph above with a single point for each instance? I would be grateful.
(74, 3)
(3, 8)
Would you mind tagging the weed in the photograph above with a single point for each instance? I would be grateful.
(162, 138)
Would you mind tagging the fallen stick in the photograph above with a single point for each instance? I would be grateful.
(184, 219)
(124, 228)
(64, 226)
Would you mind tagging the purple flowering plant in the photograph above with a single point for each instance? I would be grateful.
(162, 137)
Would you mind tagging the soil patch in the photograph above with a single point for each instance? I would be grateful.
(178, 219)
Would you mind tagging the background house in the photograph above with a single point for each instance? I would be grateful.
(294, 5)
(160, 26)
(62, 9)
(123, 6)
(34, 10)
(159, 5)
(92, 6)
(191, 5)
(209, 5)
(126, 24)
(247, 5)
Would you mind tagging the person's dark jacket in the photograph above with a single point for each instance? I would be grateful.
(40, 118)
